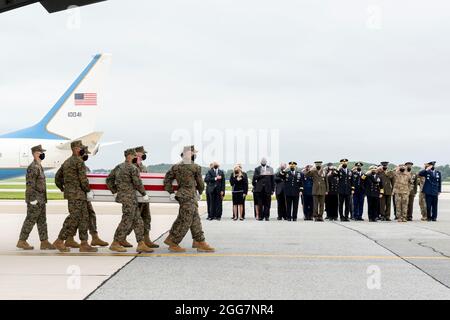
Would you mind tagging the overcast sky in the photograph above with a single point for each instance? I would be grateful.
(366, 80)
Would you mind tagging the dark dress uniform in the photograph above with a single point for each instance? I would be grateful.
(358, 195)
(263, 187)
(345, 192)
(292, 188)
(280, 179)
(332, 198)
(374, 187)
(432, 188)
(307, 197)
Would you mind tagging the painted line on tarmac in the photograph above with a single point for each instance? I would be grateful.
(219, 255)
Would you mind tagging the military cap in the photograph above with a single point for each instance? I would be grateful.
(86, 149)
(318, 162)
(76, 144)
(129, 152)
(329, 164)
(292, 163)
(373, 168)
(189, 148)
(385, 163)
(37, 149)
(359, 164)
(343, 160)
(140, 149)
(409, 164)
(431, 163)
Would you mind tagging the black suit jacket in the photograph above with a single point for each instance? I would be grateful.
(213, 185)
(264, 183)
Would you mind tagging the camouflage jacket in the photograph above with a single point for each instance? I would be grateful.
(72, 180)
(402, 183)
(415, 183)
(36, 185)
(141, 168)
(125, 181)
(189, 179)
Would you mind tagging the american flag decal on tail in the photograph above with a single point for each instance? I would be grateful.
(85, 99)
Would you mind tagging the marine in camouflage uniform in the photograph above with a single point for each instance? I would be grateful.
(422, 201)
(125, 181)
(92, 227)
(190, 186)
(36, 199)
(144, 207)
(71, 179)
(402, 190)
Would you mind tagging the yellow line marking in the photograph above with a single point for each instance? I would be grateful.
(220, 255)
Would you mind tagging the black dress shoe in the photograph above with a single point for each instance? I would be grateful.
(267, 219)
(279, 218)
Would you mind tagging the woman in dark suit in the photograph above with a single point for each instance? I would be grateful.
(239, 185)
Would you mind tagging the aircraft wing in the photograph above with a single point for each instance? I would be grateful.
(50, 5)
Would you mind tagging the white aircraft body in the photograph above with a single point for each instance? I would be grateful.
(73, 117)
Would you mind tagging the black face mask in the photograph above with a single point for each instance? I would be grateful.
(134, 160)
(292, 169)
(344, 166)
(374, 172)
(318, 167)
(385, 168)
(85, 158)
(402, 170)
(144, 157)
(193, 157)
(42, 156)
(409, 169)
(359, 169)
(216, 167)
(82, 152)
(236, 172)
(432, 168)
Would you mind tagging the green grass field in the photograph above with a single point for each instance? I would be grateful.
(21, 196)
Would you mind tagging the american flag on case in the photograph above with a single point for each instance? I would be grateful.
(153, 184)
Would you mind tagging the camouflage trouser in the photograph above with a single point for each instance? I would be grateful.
(144, 211)
(188, 218)
(411, 205)
(423, 205)
(131, 220)
(78, 219)
(401, 203)
(35, 215)
(92, 227)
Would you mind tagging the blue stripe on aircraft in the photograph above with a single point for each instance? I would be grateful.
(12, 173)
(39, 131)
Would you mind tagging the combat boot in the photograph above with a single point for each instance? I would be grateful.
(45, 245)
(85, 247)
(142, 247)
(173, 246)
(117, 247)
(59, 245)
(96, 241)
(126, 244)
(149, 243)
(22, 244)
(71, 243)
(202, 246)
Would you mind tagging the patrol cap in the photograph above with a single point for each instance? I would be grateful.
(292, 163)
(76, 144)
(140, 149)
(409, 164)
(385, 163)
(129, 152)
(359, 164)
(86, 149)
(343, 160)
(37, 149)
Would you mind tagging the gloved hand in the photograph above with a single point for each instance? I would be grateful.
(146, 198)
(199, 196)
(90, 196)
(172, 197)
(33, 203)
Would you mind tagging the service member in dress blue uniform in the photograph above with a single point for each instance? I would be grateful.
(307, 197)
(280, 180)
(432, 189)
(374, 192)
(358, 192)
(332, 198)
(345, 190)
(292, 189)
